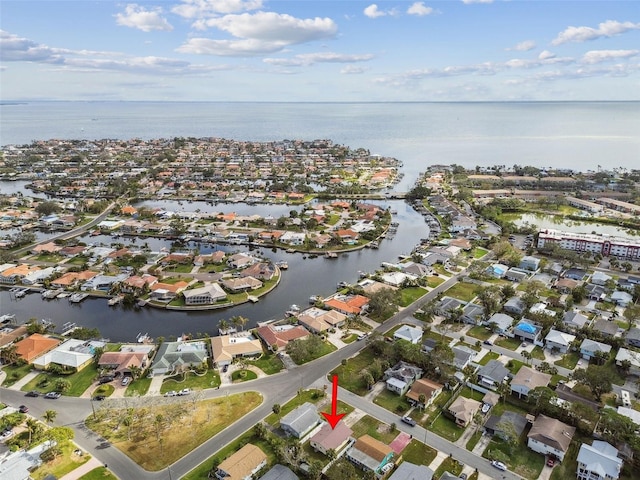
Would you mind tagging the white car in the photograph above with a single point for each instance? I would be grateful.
(485, 407)
(171, 393)
(498, 465)
(184, 391)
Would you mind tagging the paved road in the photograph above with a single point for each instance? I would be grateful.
(277, 388)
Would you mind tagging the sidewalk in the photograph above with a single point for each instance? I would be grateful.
(83, 469)
(24, 380)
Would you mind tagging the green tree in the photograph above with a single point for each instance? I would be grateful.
(597, 378)
(50, 416)
(384, 303)
(47, 207)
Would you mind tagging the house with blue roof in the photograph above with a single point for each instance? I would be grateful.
(497, 270)
(525, 330)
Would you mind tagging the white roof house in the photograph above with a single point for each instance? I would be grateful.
(622, 299)
(73, 354)
(395, 278)
(598, 461)
(559, 340)
(409, 333)
(632, 356)
(38, 275)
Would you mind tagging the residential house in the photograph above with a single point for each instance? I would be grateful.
(369, 454)
(497, 270)
(447, 305)
(206, 295)
(279, 472)
(121, 363)
(574, 320)
(70, 280)
(241, 284)
(557, 340)
(262, 271)
(241, 260)
(632, 356)
(566, 285)
(409, 333)
(103, 282)
(515, 305)
(137, 283)
(243, 464)
(38, 276)
(293, 238)
(516, 275)
(598, 461)
(276, 337)
(225, 348)
(530, 263)
(497, 424)
(462, 357)
(426, 387)
(607, 328)
(165, 292)
(300, 421)
(549, 436)
(500, 322)
(178, 357)
(631, 413)
(415, 269)
(575, 274)
(15, 274)
(347, 304)
(411, 471)
(34, 346)
(621, 299)
(318, 320)
(472, 314)
(596, 292)
(401, 376)
(395, 279)
(633, 337)
(542, 308)
(526, 330)
(463, 409)
(600, 278)
(589, 348)
(328, 438)
(492, 374)
(528, 379)
(73, 355)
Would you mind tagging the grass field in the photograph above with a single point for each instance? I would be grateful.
(61, 465)
(80, 381)
(351, 374)
(410, 295)
(481, 333)
(463, 291)
(370, 426)
(209, 379)
(160, 441)
(418, 453)
(509, 343)
(269, 363)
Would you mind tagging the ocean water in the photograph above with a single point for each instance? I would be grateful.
(577, 135)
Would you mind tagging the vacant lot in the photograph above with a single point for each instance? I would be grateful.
(155, 436)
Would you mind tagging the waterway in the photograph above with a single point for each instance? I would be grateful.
(304, 277)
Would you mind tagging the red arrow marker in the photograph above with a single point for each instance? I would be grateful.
(333, 418)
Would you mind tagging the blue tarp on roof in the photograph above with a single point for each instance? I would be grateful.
(526, 327)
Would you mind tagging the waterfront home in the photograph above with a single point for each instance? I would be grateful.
(243, 464)
(400, 377)
(549, 436)
(174, 357)
(328, 438)
(370, 286)
(38, 276)
(15, 274)
(206, 295)
(165, 292)
(137, 283)
(103, 282)
(276, 337)
(411, 471)
(122, 362)
(225, 348)
(500, 323)
(369, 454)
(497, 424)
(528, 379)
(409, 333)
(318, 320)
(557, 340)
(395, 279)
(463, 409)
(598, 461)
(347, 236)
(589, 348)
(10, 333)
(262, 271)
(632, 356)
(415, 269)
(241, 260)
(574, 320)
(300, 421)
(347, 304)
(70, 280)
(34, 346)
(71, 355)
(241, 284)
(292, 238)
(423, 392)
(492, 374)
(526, 330)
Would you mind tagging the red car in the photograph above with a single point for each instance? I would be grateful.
(23, 409)
(550, 462)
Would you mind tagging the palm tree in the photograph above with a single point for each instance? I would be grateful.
(49, 416)
(239, 321)
(32, 428)
(223, 326)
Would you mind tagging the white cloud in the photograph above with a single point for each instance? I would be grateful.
(468, 2)
(609, 28)
(524, 46)
(546, 55)
(209, 8)
(419, 9)
(598, 56)
(19, 49)
(321, 57)
(259, 33)
(135, 16)
(372, 11)
(352, 70)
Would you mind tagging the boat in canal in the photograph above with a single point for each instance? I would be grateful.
(78, 297)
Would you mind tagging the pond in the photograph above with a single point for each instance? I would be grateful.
(557, 222)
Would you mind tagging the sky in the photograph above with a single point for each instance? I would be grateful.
(320, 51)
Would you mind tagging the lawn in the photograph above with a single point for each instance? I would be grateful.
(209, 379)
(157, 442)
(370, 426)
(312, 396)
(464, 291)
(15, 373)
(478, 252)
(519, 458)
(514, 366)
(178, 268)
(470, 393)
(433, 282)
(351, 374)
(410, 295)
(62, 465)
(448, 465)
(99, 473)
(473, 440)
(138, 387)
(538, 353)
(349, 338)
(418, 453)
(392, 401)
(80, 381)
(243, 376)
(508, 343)
(269, 363)
(446, 428)
(325, 349)
(569, 360)
(488, 357)
(481, 333)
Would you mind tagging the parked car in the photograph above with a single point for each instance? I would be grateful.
(23, 409)
(32, 393)
(463, 476)
(184, 391)
(105, 380)
(99, 398)
(171, 393)
(409, 421)
(225, 368)
(487, 342)
(362, 337)
(498, 465)
(485, 407)
(53, 395)
(6, 433)
(550, 462)
(125, 381)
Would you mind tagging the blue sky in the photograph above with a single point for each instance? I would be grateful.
(315, 50)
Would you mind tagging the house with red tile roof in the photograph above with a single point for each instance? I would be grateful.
(347, 304)
(276, 338)
(35, 345)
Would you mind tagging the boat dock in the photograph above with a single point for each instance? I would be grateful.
(78, 297)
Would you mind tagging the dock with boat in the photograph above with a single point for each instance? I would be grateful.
(78, 297)
(115, 300)
(67, 328)
(51, 294)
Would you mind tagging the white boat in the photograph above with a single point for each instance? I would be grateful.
(331, 255)
(50, 294)
(115, 300)
(144, 338)
(314, 298)
(6, 318)
(21, 293)
(78, 297)
(282, 265)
